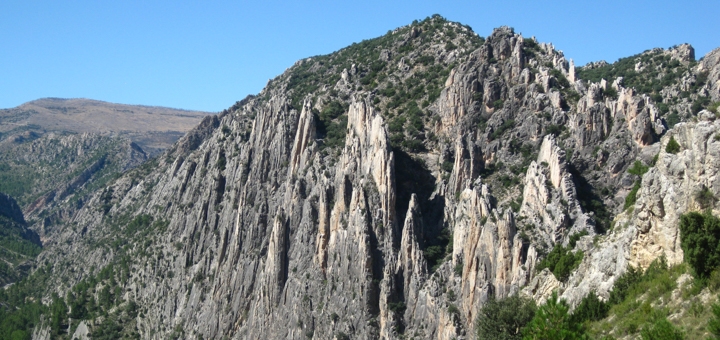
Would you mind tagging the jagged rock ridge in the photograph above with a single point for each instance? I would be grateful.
(390, 189)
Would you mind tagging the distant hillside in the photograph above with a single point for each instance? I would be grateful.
(153, 128)
(36, 170)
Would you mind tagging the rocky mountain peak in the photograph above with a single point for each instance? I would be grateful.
(396, 186)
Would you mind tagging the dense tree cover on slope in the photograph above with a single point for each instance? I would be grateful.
(18, 244)
(21, 307)
(645, 81)
(630, 305)
(96, 296)
(99, 295)
(16, 248)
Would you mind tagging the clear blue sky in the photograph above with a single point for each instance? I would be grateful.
(205, 55)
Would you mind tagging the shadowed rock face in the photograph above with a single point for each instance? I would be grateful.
(10, 209)
(19, 244)
(272, 232)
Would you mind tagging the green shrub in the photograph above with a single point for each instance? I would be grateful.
(530, 43)
(453, 310)
(631, 198)
(700, 241)
(672, 146)
(396, 124)
(590, 308)
(561, 261)
(714, 107)
(705, 197)
(623, 284)
(610, 92)
(434, 255)
(561, 80)
(552, 321)
(140, 223)
(504, 319)
(714, 322)
(698, 105)
(221, 162)
(413, 145)
(425, 60)
(672, 119)
(508, 180)
(458, 269)
(576, 237)
(397, 307)
(655, 159)
(508, 124)
(515, 205)
(498, 104)
(661, 329)
(554, 130)
(638, 169)
(332, 123)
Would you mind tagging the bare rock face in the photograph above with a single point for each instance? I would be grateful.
(670, 188)
(542, 286)
(461, 85)
(711, 64)
(82, 332)
(649, 229)
(304, 137)
(682, 53)
(550, 198)
(489, 251)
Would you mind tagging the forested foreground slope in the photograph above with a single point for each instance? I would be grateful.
(392, 189)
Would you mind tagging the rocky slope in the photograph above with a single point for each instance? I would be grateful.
(388, 190)
(154, 128)
(57, 171)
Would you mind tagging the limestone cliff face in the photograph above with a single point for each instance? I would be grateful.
(711, 64)
(336, 208)
(649, 229)
(670, 189)
(550, 198)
